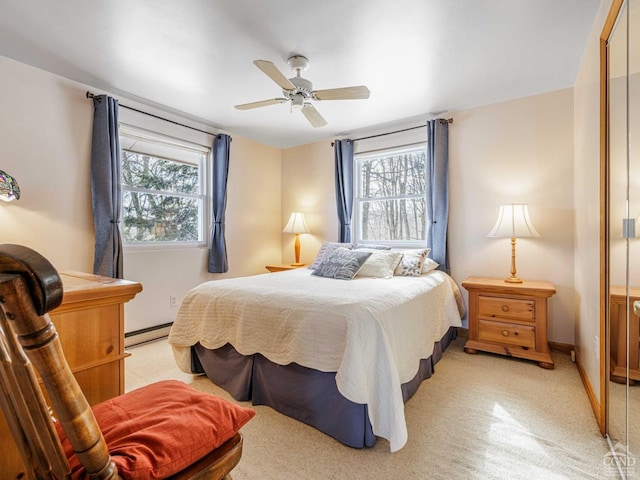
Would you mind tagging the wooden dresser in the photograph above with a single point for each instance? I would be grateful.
(618, 329)
(509, 318)
(90, 324)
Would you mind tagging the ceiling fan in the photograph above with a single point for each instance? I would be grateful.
(299, 91)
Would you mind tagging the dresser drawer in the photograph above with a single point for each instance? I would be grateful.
(507, 334)
(506, 308)
(90, 336)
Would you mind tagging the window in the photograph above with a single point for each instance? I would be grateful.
(390, 200)
(162, 190)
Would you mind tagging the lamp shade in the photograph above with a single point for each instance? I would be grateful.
(514, 222)
(9, 189)
(296, 224)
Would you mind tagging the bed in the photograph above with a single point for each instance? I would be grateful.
(342, 356)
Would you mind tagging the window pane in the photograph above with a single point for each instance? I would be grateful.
(393, 175)
(389, 220)
(151, 173)
(159, 218)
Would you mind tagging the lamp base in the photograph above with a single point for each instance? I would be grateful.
(513, 278)
(297, 264)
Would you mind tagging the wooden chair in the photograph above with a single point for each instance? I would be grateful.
(29, 288)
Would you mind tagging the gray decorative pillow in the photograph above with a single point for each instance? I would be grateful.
(411, 263)
(325, 251)
(342, 263)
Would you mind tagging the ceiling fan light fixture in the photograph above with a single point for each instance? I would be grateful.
(297, 101)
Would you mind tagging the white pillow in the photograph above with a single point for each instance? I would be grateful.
(429, 265)
(412, 262)
(380, 264)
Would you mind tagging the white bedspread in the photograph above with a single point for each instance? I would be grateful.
(372, 332)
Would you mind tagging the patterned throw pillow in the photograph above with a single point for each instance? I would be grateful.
(325, 251)
(411, 263)
(342, 263)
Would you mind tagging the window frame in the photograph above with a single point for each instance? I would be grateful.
(358, 200)
(204, 222)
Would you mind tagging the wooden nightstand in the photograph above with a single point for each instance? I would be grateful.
(509, 318)
(282, 268)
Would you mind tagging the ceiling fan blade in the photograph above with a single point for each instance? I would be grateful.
(262, 103)
(315, 119)
(346, 93)
(274, 74)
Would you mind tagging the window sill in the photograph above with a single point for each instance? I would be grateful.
(162, 246)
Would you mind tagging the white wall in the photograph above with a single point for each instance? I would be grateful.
(587, 203)
(46, 142)
(511, 152)
(520, 151)
(46, 124)
(308, 187)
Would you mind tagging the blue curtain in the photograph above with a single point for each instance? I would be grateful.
(343, 153)
(438, 190)
(218, 253)
(106, 194)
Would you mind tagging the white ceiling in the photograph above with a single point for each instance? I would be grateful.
(195, 56)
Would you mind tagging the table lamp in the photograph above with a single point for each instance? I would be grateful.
(513, 222)
(296, 225)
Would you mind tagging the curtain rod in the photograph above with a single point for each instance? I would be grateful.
(91, 95)
(447, 120)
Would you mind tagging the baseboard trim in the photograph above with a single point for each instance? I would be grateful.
(145, 335)
(593, 400)
(561, 347)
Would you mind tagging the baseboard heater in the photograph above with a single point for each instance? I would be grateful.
(145, 335)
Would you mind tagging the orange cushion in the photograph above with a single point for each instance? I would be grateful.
(160, 429)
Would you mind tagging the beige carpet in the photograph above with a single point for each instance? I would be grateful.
(479, 417)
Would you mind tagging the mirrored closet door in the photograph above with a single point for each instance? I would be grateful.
(623, 238)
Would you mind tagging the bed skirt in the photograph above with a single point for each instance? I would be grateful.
(305, 394)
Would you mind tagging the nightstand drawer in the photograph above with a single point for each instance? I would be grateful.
(505, 333)
(506, 308)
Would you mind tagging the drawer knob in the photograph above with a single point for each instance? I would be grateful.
(505, 308)
(505, 333)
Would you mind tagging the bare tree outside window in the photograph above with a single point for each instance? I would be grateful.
(161, 199)
(390, 201)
